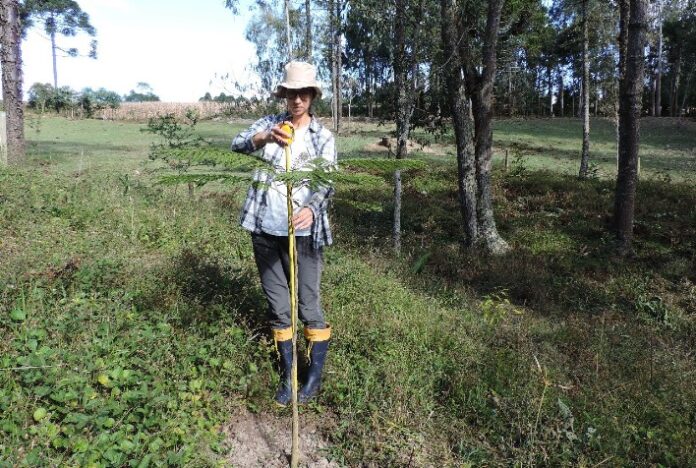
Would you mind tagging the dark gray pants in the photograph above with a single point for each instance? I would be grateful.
(271, 254)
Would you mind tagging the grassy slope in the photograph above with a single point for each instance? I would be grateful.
(668, 149)
(145, 306)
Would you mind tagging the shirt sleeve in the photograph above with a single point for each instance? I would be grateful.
(243, 142)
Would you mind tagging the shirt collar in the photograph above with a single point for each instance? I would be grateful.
(314, 125)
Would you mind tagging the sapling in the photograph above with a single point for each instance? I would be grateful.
(236, 167)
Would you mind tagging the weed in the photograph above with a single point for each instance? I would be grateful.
(518, 166)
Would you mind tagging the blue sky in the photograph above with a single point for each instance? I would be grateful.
(176, 46)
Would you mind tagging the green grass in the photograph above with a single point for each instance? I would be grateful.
(668, 149)
(133, 320)
(667, 145)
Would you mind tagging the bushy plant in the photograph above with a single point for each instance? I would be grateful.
(92, 101)
(134, 96)
(43, 97)
(174, 135)
(63, 98)
(39, 96)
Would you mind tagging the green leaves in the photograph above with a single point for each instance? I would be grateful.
(18, 315)
(39, 414)
(104, 380)
(236, 168)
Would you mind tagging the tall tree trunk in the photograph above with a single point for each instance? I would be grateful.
(510, 104)
(332, 59)
(585, 157)
(561, 93)
(653, 99)
(51, 23)
(658, 78)
(673, 102)
(339, 66)
(403, 103)
(463, 128)
(633, 17)
(55, 63)
(550, 81)
(402, 111)
(481, 89)
(287, 29)
(11, 59)
(686, 93)
(369, 80)
(308, 30)
(540, 93)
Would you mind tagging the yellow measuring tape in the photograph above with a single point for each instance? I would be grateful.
(292, 254)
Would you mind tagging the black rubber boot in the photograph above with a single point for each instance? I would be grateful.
(284, 393)
(317, 356)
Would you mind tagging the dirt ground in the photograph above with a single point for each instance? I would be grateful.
(388, 145)
(264, 440)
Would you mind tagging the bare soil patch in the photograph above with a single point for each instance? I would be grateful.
(388, 145)
(263, 439)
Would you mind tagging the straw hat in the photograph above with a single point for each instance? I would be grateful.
(298, 75)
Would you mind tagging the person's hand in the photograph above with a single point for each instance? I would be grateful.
(303, 219)
(278, 136)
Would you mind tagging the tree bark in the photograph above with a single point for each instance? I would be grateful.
(675, 85)
(510, 92)
(404, 109)
(288, 37)
(55, 63)
(480, 87)
(11, 59)
(585, 157)
(658, 78)
(463, 128)
(338, 58)
(396, 231)
(633, 17)
(653, 103)
(550, 81)
(308, 30)
(403, 102)
(332, 59)
(369, 80)
(561, 93)
(686, 93)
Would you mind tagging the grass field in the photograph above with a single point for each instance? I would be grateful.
(133, 326)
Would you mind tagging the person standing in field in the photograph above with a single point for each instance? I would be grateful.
(265, 214)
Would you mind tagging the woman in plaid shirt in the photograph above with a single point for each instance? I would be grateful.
(265, 215)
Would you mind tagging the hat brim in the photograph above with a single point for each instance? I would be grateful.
(281, 88)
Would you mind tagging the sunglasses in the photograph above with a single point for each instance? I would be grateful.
(304, 93)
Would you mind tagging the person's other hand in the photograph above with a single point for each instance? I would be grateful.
(303, 219)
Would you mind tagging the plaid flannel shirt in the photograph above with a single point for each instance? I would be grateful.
(320, 143)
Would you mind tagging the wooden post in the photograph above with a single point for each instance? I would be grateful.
(3, 139)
